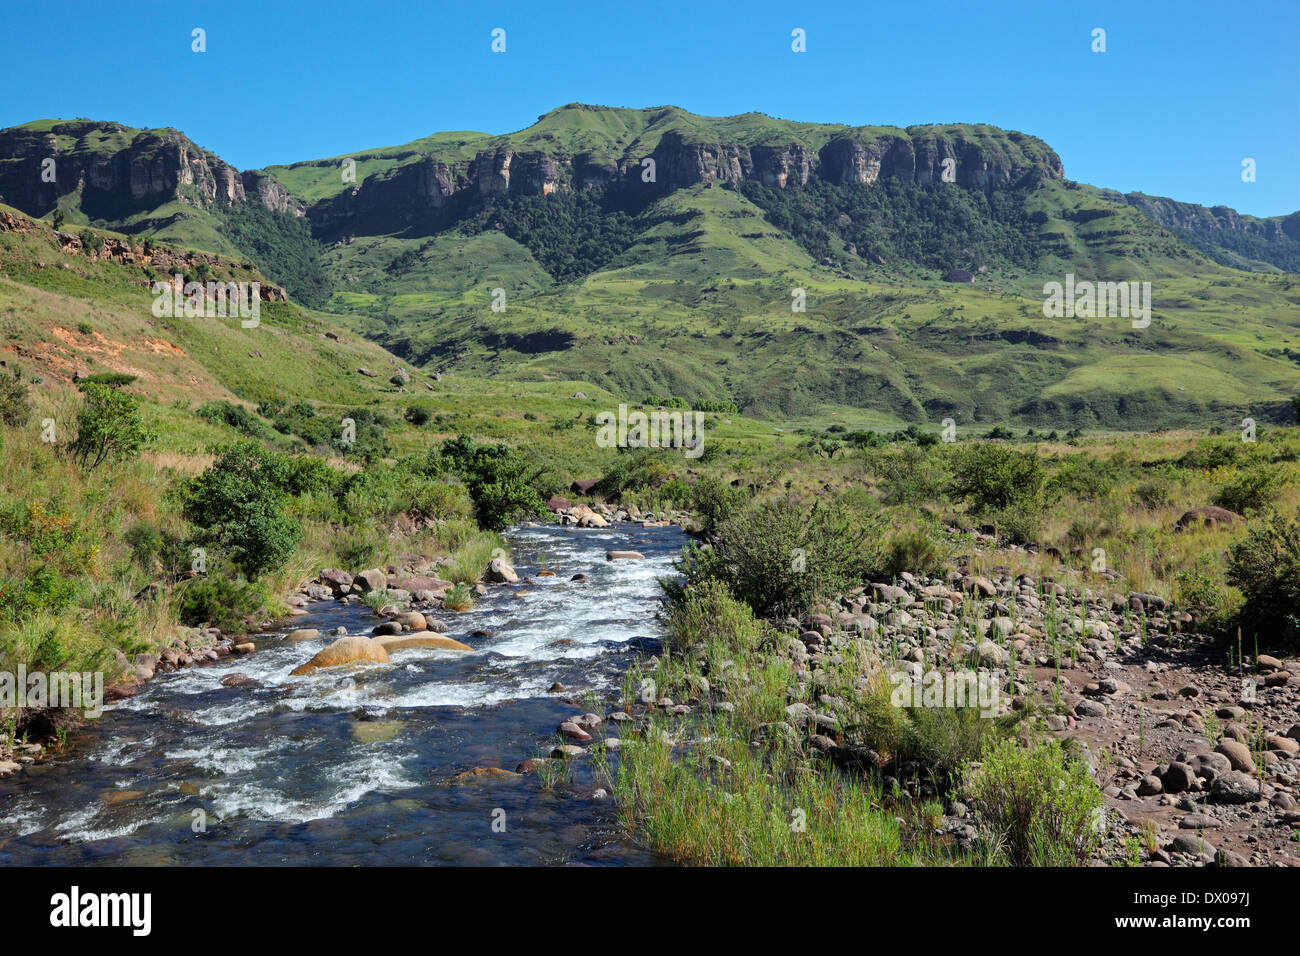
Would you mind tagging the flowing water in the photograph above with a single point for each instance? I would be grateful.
(357, 767)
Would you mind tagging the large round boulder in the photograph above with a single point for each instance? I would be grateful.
(346, 650)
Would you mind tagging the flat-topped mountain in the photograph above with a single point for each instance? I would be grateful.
(657, 251)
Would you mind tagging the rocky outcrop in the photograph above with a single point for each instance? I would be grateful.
(117, 171)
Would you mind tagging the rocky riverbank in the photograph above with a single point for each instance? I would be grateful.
(1196, 749)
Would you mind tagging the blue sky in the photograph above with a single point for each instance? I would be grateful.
(1184, 91)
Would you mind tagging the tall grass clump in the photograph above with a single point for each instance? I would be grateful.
(1040, 805)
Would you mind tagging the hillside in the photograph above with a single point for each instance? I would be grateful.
(656, 252)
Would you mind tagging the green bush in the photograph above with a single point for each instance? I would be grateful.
(503, 483)
(109, 426)
(993, 477)
(233, 416)
(1040, 805)
(1265, 567)
(708, 612)
(915, 551)
(713, 501)
(780, 559)
(14, 406)
(1253, 491)
(221, 602)
(239, 504)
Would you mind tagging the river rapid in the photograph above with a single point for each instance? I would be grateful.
(357, 767)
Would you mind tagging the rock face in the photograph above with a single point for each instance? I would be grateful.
(118, 171)
(346, 650)
(430, 185)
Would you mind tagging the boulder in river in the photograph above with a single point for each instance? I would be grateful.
(373, 579)
(499, 571)
(302, 634)
(624, 555)
(401, 642)
(412, 621)
(346, 650)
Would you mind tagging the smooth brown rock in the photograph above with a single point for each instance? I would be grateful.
(346, 650)
(402, 642)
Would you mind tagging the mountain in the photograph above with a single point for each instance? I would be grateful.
(653, 252)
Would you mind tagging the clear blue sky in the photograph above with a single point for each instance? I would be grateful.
(1184, 92)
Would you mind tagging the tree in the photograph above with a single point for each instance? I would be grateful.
(109, 426)
(502, 482)
(239, 505)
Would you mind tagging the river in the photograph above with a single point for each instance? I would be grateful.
(356, 767)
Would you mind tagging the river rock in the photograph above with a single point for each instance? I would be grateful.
(499, 571)
(335, 579)
(1179, 778)
(1238, 755)
(624, 555)
(486, 773)
(571, 730)
(416, 584)
(346, 650)
(302, 634)
(412, 621)
(1234, 787)
(373, 579)
(402, 642)
(991, 655)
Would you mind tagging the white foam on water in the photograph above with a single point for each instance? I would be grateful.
(346, 782)
(224, 760)
(77, 826)
(24, 817)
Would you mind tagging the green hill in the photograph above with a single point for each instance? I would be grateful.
(654, 251)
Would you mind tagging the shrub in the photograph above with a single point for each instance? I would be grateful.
(1017, 525)
(14, 406)
(233, 416)
(239, 505)
(993, 477)
(1040, 805)
(154, 548)
(1152, 494)
(913, 550)
(416, 415)
(503, 484)
(1265, 567)
(713, 501)
(1200, 595)
(109, 426)
(780, 559)
(709, 612)
(1253, 491)
(221, 602)
(458, 598)
(910, 476)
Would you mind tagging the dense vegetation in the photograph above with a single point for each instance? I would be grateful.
(281, 245)
(572, 234)
(940, 226)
